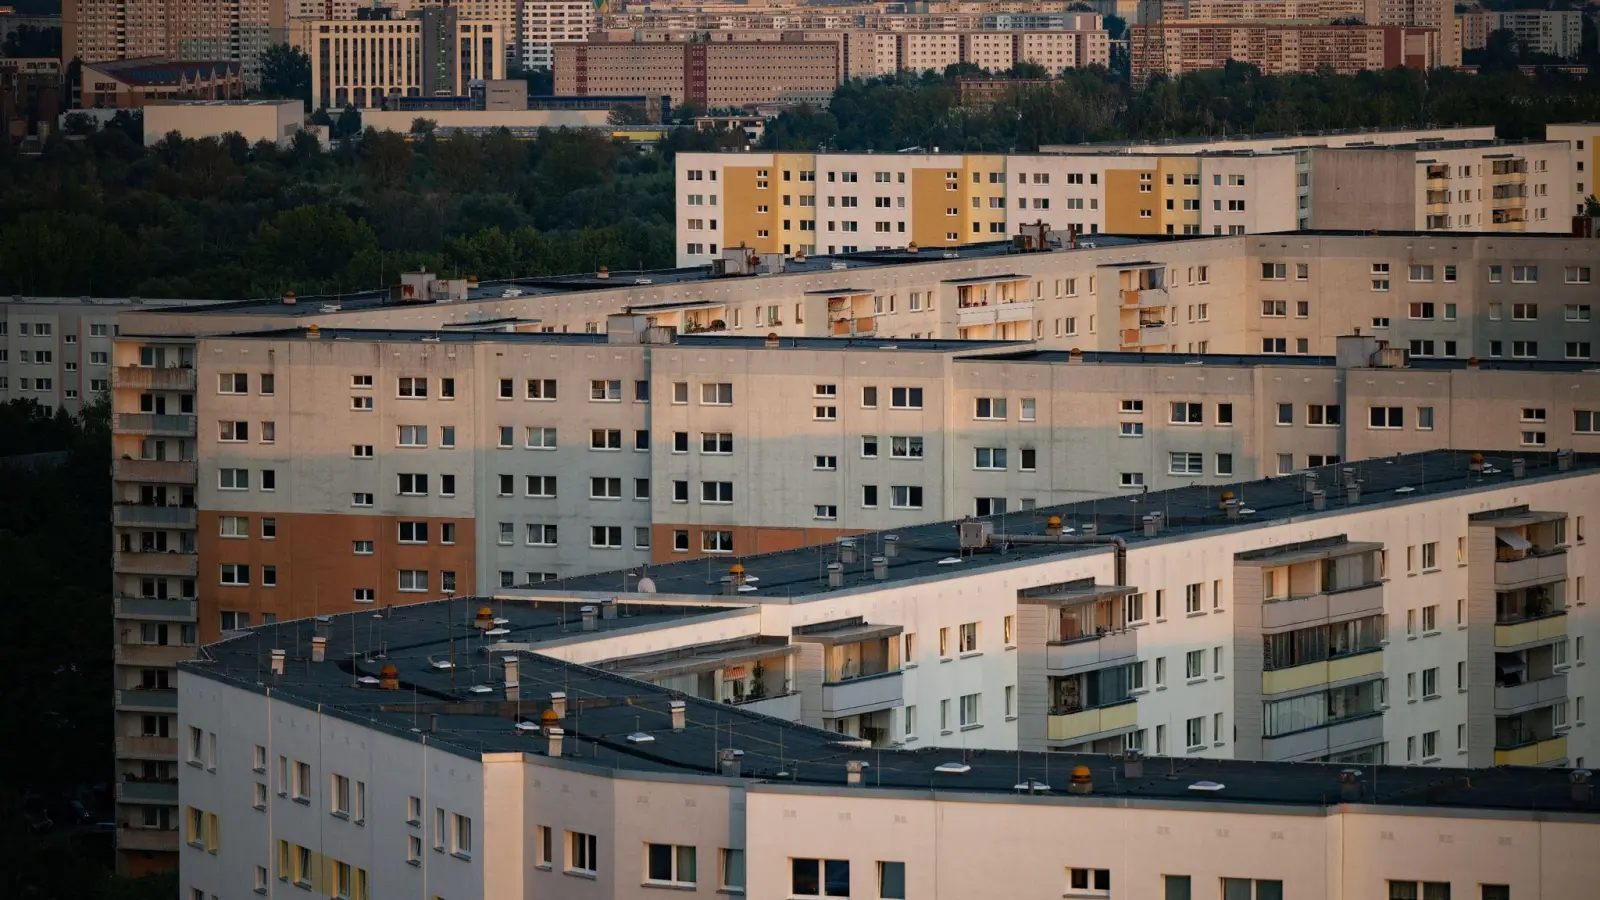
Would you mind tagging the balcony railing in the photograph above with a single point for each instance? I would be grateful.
(1523, 570)
(1519, 697)
(147, 700)
(1090, 651)
(1533, 753)
(153, 655)
(1070, 725)
(1546, 628)
(133, 837)
(179, 609)
(154, 471)
(153, 424)
(146, 747)
(134, 515)
(156, 563)
(164, 792)
(1338, 668)
(863, 694)
(172, 378)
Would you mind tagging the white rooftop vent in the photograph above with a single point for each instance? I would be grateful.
(950, 561)
(500, 620)
(1031, 787)
(496, 632)
(1208, 786)
(751, 579)
(952, 768)
(746, 588)
(480, 689)
(1404, 490)
(527, 727)
(837, 266)
(511, 292)
(366, 679)
(639, 737)
(442, 664)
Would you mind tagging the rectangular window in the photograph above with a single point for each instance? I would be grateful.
(1187, 413)
(716, 394)
(670, 864)
(905, 398)
(583, 852)
(1088, 882)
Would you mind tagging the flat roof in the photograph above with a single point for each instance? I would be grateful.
(1122, 358)
(617, 725)
(932, 550)
(749, 341)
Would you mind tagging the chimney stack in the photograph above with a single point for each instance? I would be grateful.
(853, 769)
(891, 545)
(880, 568)
(1582, 789)
(680, 713)
(277, 662)
(558, 703)
(1133, 764)
(319, 649)
(847, 551)
(728, 760)
(433, 722)
(835, 575)
(1319, 499)
(590, 617)
(556, 735)
(1353, 493)
(513, 687)
(1519, 467)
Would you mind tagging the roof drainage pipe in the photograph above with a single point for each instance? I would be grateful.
(1118, 545)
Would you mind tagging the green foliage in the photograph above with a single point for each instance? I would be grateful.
(286, 73)
(31, 40)
(909, 110)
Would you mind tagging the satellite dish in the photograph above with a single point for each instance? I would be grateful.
(647, 585)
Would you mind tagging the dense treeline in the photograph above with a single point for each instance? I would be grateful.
(1095, 105)
(99, 213)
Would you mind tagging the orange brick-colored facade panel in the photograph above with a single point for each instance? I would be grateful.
(747, 540)
(318, 570)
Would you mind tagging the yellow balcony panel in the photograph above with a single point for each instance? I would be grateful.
(1531, 631)
(1312, 674)
(1539, 754)
(1093, 721)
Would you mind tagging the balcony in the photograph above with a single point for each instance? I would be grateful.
(152, 424)
(150, 378)
(859, 327)
(1106, 648)
(147, 747)
(143, 700)
(863, 694)
(165, 563)
(162, 792)
(1335, 737)
(149, 839)
(138, 515)
(783, 706)
(172, 609)
(1517, 698)
(1309, 609)
(153, 654)
(1530, 569)
(1327, 671)
(155, 471)
(1545, 629)
(1535, 753)
(1078, 726)
(987, 313)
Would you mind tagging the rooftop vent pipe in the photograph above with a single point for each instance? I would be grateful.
(277, 662)
(1582, 789)
(1563, 460)
(1519, 467)
(319, 649)
(513, 688)
(1133, 764)
(558, 703)
(835, 575)
(590, 617)
(1119, 546)
(847, 551)
(728, 761)
(557, 736)
(679, 711)
(1352, 493)
(853, 769)
(891, 545)
(880, 568)
(1350, 785)
(1319, 499)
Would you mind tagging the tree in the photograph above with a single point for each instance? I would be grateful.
(286, 73)
(348, 123)
(29, 40)
(1591, 206)
(422, 127)
(625, 115)
(1499, 53)
(311, 249)
(386, 157)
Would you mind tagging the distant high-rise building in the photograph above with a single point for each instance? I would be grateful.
(190, 30)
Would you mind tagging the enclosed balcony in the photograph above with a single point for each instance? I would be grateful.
(140, 700)
(142, 515)
(138, 837)
(174, 609)
(1323, 722)
(148, 747)
(1085, 625)
(1530, 549)
(1314, 581)
(153, 424)
(154, 471)
(1529, 616)
(1529, 739)
(1094, 704)
(137, 790)
(1322, 654)
(858, 666)
(739, 673)
(1525, 679)
(152, 654)
(171, 562)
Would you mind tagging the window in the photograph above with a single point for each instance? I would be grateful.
(539, 535)
(1577, 274)
(989, 458)
(1411, 890)
(1183, 463)
(905, 496)
(989, 408)
(1430, 683)
(1324, 415)
(716, 541)
(1089, 881)
(670, 864)
(410, 484)
(412, 387)
(583, 851)
(716, 492)
(460, 835)
(716, 394)
(1386, 417)
(607, 536)
(1187, 413)
(825, 413)
(360, 499)
(605, 439)
(1194, 732)
(233, 479)
(1245, 889)
(904, 447)
(413, 436)
(602, 488)
(1524, 274)
(819, 877)
(905, 398)
(605, 390)
(413, 580)
(235, 574)
(231, 382)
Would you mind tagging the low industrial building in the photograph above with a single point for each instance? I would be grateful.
(136, 83)
(273, 121)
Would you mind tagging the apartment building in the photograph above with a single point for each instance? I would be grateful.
(1583, 161)
(1174, 48)
(1291, 141)
(1262, 10)
(433, 51)
(715, 74)
(818, 202)
(558, 724)
(57, 350)
(1554, 32)
(546, 23)
(101, 31)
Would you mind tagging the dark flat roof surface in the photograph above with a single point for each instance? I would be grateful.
(929, 550)
(753, 341)
(604, 709)
(1060, 357)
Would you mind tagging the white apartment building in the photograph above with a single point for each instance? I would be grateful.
(546, 23)
(57, 350)
(436, 747)
(1584, 161)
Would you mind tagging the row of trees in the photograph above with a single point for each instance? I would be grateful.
(100, 213)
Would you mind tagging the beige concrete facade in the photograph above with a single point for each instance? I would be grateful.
(96, 31)
(273, 121)
(715, 75)
(1174, 48)
(357, 62)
